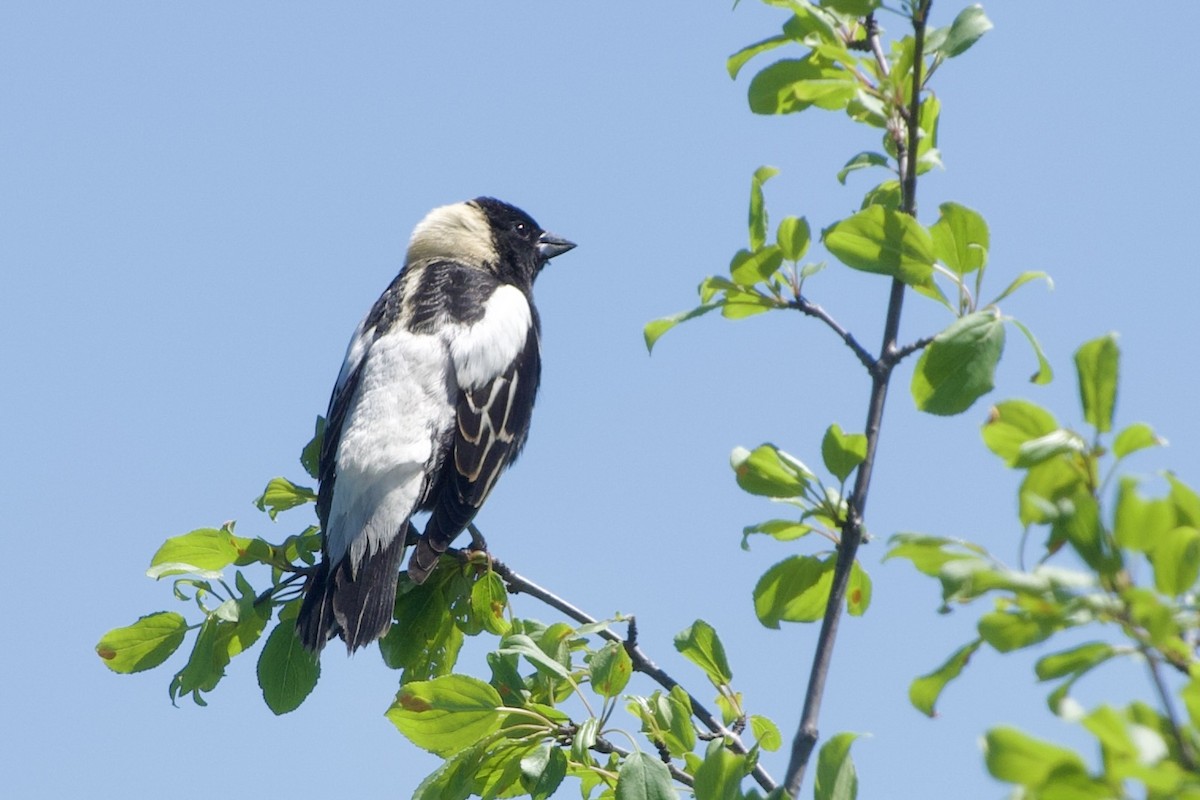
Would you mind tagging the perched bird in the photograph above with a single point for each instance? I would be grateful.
(432, 403)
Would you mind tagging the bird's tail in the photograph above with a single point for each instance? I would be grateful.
(356, 607)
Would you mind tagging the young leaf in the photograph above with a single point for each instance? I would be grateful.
(1140, 524)
(1132, 438)
(930, 553)
(1018, 758)
(1176, 561)
(1044, 373)
(1044, 448)
(1073, 661)
(1097, 364)
(644, 777)
(748, 268)
(739, 59)
(783, 530)
(766, 733)
(793, 237)
(924, 692)
(794, 590)
(1021, 280)
(792, 85)
(287, 672)
(758, 209)
(858, 591)
(862, 161)
(489, 600)
(611, 668)
(960, 238)
(970, 24)
(836, 776)
(281, 494)
(768, 472)
(447, 714)
(959, 365)
(842, 452)
(143, 645)
(1012, 423)
(542, 770)
(654, 330)
(720, 774)
(883, 241)
(700, 644)
(204, 551)
(310, 456)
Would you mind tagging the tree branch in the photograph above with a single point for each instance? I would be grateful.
(804, 306)
(906, 139)
(1186, 754)
(641, 662)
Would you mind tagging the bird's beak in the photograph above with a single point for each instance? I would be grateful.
(549, 246)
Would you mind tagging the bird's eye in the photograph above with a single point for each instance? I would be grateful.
(521, 228)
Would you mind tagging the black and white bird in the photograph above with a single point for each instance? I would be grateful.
(432, 403)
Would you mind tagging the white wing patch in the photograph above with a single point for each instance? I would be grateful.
(485, 349)
(401, 407)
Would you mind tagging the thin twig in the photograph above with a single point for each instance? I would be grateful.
(853, 529)
(805, 306)
(901, 353)
(1186, 754)
(641, 662)
(603, 745)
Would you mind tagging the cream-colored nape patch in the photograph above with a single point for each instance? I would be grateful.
(459, 231)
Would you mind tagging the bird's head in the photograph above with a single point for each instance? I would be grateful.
(488, 234)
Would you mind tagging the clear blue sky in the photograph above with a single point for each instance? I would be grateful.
(199, 201)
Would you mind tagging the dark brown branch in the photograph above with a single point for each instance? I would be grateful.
(813, 310)
(1186, 755)
(906, 139)
(641, 662)
(604, 746)
(901, 353)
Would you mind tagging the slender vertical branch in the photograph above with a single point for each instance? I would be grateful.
(906, 137)
(1187, 755)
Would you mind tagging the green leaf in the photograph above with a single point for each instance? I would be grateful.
(1073, 661)
(739, 59)
(960, 238)
(1044, 373)
(287, 673)
(644, 777)
(792, 85)
(310, 456)
(887, 195)
(447, 714)
(654, 330)
(1132, 438)
(1140, 524)
(1097, 363)
(1008, 631)
(1176, 561)
(143, 645)
(842, 452)
(1186, 501)
(455, 778)
(856, 8)
(748, 268)
(1043, 486)
(424, 641)
(489, 601)
(700, 644)
(783, 530)
(958, 367)
(611, 668)
(793, 237)
(1018, 758)
(204, 552)
(885, 242)
(758, 208)
(281, 494)
(206, 664)
(970, 24)
(1012, 423)
(543, 770)
(862, 161)
(720, 774)
(523, 645)
(1021, 280)
(858, 590)
(766, 733)
(836, 776)
(794, 590)
(924, 692)
(930, 553)
(769, 472)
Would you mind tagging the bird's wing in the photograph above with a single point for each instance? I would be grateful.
(492, 417)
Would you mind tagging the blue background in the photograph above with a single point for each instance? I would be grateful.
(198, 201)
